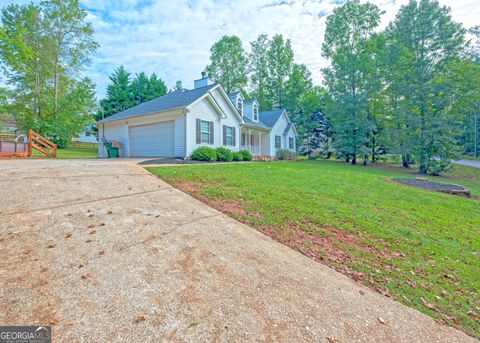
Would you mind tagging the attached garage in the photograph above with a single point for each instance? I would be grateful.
(153, 140)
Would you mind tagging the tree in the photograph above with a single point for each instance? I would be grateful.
(429, 42)
(258, 70)
(298, 83)
(119, 97)
(139, 88)
(156, 87)
(124, 92)
(70, 37)
(280, 62)
(43, 50)
(347, 33)
(228, 64)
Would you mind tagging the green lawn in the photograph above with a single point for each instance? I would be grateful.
(421, 247)
(85, 150)
(74, 151)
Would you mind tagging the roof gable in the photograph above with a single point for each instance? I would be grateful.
(269, 118)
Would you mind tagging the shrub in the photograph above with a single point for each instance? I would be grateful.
(237, 156)
(247, 155)
(224, 154)
(284, 154)
(204, 153)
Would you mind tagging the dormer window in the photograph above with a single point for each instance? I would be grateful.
(240, 105)
(255, 112)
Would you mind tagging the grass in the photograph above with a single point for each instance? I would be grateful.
(420, 247)
(75, 151)
(79, 150)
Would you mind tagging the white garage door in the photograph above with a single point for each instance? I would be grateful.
(153, 140)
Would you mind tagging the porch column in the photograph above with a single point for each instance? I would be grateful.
(250, 139)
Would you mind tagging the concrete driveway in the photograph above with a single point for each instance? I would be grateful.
(104, 251)
(469, 163)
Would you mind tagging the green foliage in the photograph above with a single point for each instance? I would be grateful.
(123, 92)
(345, 44)
(258, 70)
(237, 156)
(280, 63)
(224, 154)
(204, 153)
(424, 236)
(284, 154)
(228, 64)
(428, 42)
(44, 49)
(247, 155)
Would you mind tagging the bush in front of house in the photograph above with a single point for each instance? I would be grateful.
(247, 155)
(224, 154)
(204, 153)
(237, 156)
(284, 154)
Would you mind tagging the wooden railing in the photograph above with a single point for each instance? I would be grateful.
(40, 143)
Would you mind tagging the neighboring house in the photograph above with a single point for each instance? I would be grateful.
(8, 123)
(175, 124)
(88, 136)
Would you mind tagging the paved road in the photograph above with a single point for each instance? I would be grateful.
(470, 163)
(104, 251)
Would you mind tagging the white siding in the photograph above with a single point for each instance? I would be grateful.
(205, 110)
(291, 134)
(180, 141)
(119, 131)
(278, 130)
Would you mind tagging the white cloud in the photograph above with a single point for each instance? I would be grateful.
(172, 37)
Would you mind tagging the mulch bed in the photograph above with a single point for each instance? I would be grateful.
(434, 186)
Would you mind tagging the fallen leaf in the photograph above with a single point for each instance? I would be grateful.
(92, 232)
(68, 235)
(81, 265)
(91, 226)
(381, 320)
(50, 246)
(412, 283)
(86, 276)
(332, 339)
(140, 318)
(101, 252)
(361, 292)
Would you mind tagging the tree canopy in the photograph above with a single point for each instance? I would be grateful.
(43, 51)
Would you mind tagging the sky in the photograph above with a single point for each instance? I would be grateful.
(173, 37)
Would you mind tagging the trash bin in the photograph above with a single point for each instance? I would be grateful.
(111, 150)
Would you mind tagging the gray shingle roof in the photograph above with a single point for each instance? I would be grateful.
(170, 101)
(269, 118)
(255, 124)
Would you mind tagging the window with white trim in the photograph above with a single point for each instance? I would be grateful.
(290, 143)
(205, 131)
(278, 142)
(229, 135)
(255, 112)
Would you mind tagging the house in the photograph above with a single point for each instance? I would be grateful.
(8, 124)
(89, 135)
(175, 124)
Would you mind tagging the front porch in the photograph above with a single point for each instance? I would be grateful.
(255, 141)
